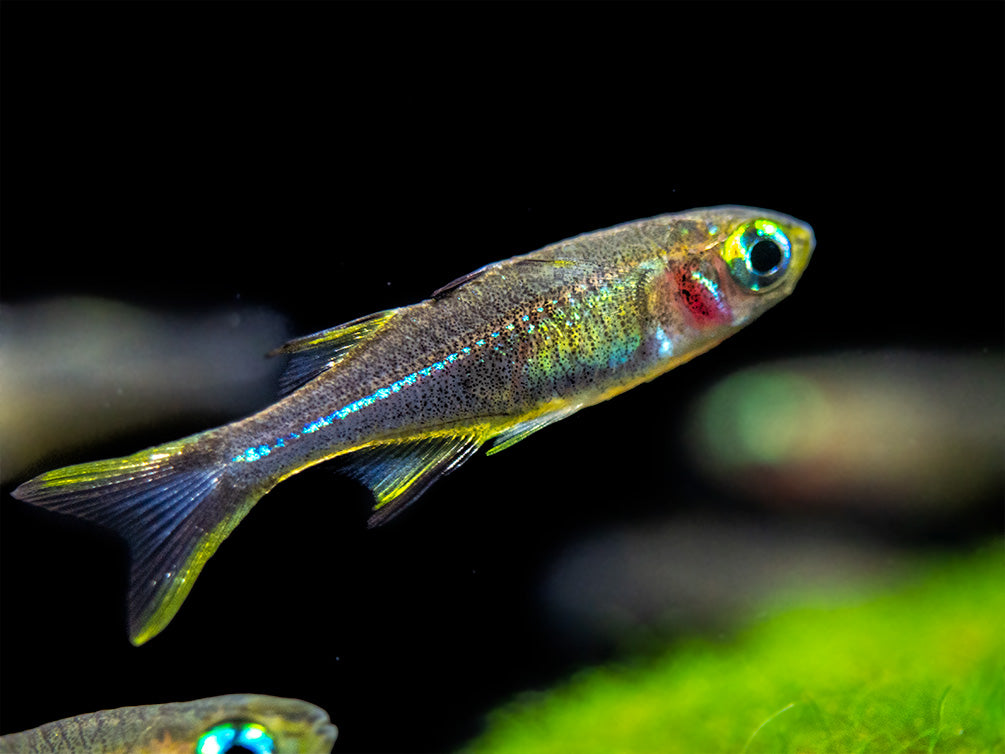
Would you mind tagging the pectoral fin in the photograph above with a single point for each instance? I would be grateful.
(315, 354)
(519, 431)
(399, 472)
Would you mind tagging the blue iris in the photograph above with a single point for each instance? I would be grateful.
(235, 737)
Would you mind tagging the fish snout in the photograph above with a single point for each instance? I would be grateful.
(803, 242)
(325, 732)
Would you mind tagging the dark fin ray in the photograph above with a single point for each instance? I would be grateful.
(170, 503)
(312, 355)
(399, 472)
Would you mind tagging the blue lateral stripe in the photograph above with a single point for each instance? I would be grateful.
(260, 451)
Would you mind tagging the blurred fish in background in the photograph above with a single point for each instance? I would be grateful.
(890, 433)
(703, 573)
(823, 474)
(829, 579)
(75, 371)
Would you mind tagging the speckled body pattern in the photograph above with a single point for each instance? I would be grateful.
(569, 325)
(296, 727)
(406, 395)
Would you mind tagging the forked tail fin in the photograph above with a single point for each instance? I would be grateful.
(172, 503)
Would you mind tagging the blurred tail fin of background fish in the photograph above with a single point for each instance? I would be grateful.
(172, 504)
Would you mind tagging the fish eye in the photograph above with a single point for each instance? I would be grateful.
(758, 255)
(236, 738)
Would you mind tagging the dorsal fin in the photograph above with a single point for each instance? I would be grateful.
(399, 472)
(453, 285)
(317, 353)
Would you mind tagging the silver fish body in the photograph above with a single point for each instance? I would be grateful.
(403, 396)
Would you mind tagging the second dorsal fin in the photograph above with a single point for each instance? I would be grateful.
(314, 354)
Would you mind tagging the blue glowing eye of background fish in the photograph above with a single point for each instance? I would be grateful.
(758, 255)
(236, 737)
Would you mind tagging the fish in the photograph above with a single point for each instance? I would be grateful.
(235, 722)
(401, 397)
(888, 433)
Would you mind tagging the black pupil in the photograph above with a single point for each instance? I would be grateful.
(238, 749)
(765, 256)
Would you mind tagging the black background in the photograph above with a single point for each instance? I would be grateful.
(329, 160)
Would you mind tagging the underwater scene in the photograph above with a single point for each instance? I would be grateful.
(502, 378)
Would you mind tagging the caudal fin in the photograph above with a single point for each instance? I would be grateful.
(171, 503)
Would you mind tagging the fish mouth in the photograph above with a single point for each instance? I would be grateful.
(325, 732)
(803, 242)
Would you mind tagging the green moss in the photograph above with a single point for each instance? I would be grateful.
(919, 669)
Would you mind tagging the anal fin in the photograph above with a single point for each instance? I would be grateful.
(399, 472)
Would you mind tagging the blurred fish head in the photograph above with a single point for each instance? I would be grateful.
(241, 723)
